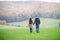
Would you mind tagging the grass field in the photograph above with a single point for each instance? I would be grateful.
(49, 30)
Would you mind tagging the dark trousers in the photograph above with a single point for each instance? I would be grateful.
(37, 28)
(30, 30)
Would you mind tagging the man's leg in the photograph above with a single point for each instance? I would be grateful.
(37, 28)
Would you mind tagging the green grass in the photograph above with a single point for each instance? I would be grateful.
(23, 34)
(49, 30)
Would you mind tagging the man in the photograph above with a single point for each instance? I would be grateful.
(37, 23)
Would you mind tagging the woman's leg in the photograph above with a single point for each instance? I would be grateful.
(30, 30)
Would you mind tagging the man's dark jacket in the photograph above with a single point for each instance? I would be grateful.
(37, 21)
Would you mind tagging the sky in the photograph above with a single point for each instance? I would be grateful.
(57, 1)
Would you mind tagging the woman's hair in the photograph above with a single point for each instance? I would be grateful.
(30, 21)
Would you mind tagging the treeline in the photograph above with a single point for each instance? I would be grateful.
(46, 15)
(14, 18)
(22, 17)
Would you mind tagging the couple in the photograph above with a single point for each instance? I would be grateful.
(36, 22)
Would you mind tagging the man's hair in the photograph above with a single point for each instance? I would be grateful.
(36, 16)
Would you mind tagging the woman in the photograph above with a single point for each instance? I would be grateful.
(30, 25)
